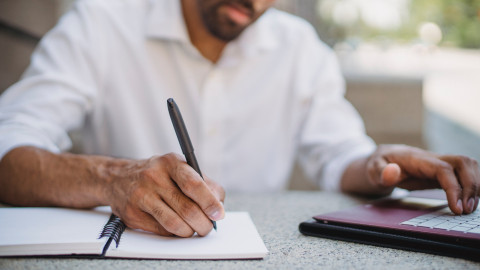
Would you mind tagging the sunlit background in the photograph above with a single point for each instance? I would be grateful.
(412, 66)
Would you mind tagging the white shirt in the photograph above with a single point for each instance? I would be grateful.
(108, 67)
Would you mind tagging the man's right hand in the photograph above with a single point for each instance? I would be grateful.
(165, 195)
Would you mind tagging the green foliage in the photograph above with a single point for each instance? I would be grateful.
(458, 19)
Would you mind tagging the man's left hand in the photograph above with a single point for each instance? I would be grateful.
(412, 168)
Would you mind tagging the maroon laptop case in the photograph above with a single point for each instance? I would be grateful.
(379, 223)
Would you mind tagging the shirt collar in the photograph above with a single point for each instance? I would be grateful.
(260, 35)
(165, 21)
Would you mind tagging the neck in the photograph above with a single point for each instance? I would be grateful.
(208, 45)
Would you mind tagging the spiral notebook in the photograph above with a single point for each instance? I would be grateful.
(72, 232)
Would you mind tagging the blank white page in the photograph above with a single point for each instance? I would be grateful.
(51, 231)
(236, 238)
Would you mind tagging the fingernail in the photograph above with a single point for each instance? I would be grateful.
(470, 204)
(459, 205)
(216, 215)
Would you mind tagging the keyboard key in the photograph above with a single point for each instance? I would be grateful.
(444, 219)
(431, 223)
(475, 230)
(414, 223)
(460, 229)
(469, 225)
(446, 225)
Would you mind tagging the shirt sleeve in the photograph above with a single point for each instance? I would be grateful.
(333, 134)
(57, 90)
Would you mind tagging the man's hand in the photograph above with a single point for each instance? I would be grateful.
(163, 194)
(166, 196)
(412, 168)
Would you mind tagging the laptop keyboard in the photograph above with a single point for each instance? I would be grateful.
(446, 220)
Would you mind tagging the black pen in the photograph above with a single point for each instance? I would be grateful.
(184, 139)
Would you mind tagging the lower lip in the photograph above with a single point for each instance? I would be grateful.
(236, 15)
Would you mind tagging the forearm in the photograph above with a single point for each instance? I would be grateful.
(30, 176)
(355, 180)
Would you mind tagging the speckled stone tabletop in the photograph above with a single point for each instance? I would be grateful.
(277, 217)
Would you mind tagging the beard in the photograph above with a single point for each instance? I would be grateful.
(219, 24)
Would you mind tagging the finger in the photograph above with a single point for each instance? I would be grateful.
(189, 211)
(375, 169)
(391, 174)
(448, 181)
(218, 190)
(413, 183)
(425, 167)
(141, 220)
(165, 216)
(469, 188)
(476, 204)
(195, 188)
(478, 191)
(466, 170)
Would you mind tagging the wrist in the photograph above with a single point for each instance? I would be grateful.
(107, 172)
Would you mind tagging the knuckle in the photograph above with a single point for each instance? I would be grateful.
(464, 161)
(474, 187)
(158, 213)
(189, 212)
(173, 225)
(445, 167)
(171, 157)
(212, 206)
(191, 185)
(456, 189)
(138, 194)
(163, 161)
(176, 196)
(167, 157)
(147, 174)
(170, 163)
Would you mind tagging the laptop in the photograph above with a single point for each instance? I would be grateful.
(420, 221)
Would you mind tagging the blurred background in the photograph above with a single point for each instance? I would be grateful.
(412, 67)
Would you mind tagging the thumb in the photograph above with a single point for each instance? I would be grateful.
(391, 175)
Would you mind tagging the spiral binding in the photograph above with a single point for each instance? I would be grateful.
(113, 230)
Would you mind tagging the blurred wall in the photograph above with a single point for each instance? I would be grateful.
(22, 23)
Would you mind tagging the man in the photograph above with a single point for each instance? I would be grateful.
(256, 88)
